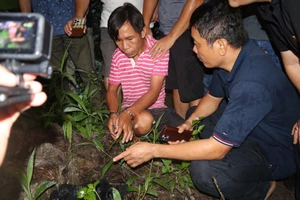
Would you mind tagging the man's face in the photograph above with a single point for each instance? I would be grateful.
(207, 54)
(130, 42)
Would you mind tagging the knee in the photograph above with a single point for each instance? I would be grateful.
(202, 175)
(142, 123)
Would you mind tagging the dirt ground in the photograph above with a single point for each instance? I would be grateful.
(82, 164)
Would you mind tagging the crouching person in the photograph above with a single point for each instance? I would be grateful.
(141, 79)
(250, 145)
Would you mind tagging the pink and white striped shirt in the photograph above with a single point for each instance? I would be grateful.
(135, 77)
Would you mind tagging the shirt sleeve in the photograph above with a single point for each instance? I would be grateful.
(114, 75)
(248, 104)
(216, 87)
(161, 66)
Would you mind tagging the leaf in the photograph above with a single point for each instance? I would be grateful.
(152, 192)
(161, 183)
(201, 127)
(172, 185)
(42, 188)
(30, 168)
(185, 164)
(81, 192)
(147, 182)
(106, 168)
(78, 100)
(195, 132)
(69, 132)
(98, 145)
(71, 109)
(116, 194)
(131, 180)
(79, 117)
(132, 189)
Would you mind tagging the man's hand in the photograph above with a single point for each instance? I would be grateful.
(113, 123)
(296, 132)
(185, 126)
(124, 125)
(160, 48)
(10, 114)
(137, 154)
(69, 26)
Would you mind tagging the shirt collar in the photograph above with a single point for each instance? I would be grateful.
(228, 77)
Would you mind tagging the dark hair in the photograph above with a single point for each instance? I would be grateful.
(216, 19)
(126, 13)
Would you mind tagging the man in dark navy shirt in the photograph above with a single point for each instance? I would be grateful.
(251, 145)
(282, 21)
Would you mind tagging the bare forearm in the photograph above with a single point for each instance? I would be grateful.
(183, 21)
(112, 101)
(207, 105)
(144, 102)
(81, 7)
(292, 67)
(148, 10)
(205, 149)
(25, 5)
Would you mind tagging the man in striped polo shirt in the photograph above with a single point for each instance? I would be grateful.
(141, 78)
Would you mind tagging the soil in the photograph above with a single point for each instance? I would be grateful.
(55, 161)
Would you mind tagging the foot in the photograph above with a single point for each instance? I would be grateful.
(271, 190)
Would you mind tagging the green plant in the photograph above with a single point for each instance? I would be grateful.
(90, 192)
(26, 178)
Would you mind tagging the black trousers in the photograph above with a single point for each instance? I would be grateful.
(244, 173)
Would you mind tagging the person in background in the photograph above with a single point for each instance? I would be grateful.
(250, 146)
(185, 73)
(10, 114)
(60, 15)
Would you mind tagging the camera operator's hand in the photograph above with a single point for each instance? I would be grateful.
(11, 113)
(69, 26)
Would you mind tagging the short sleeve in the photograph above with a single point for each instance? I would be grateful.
(248, 104)
(114, 75)
(161, 66)
(216, 87)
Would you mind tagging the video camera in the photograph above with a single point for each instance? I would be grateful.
(25, 47)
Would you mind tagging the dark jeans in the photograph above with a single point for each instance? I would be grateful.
(243, 174)
(297, 158)
(170, 117)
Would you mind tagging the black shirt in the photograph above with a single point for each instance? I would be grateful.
(282, 19)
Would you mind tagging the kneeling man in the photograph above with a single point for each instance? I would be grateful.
(142, 79)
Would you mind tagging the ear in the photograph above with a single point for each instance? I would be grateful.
(143, 33)
(222, 46)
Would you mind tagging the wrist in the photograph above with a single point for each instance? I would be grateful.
(113, 113)
(129, 113)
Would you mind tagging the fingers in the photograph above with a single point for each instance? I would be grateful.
(68, 27)
(7, 78)
(157, 51)
(121, 156)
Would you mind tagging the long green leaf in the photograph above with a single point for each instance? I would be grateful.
(69, 132)
(98, 145)
(71, 109)
(152, 192)
(161, 183)
(42, 188)
(30, 168)
(106, 168)
(78, 100)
